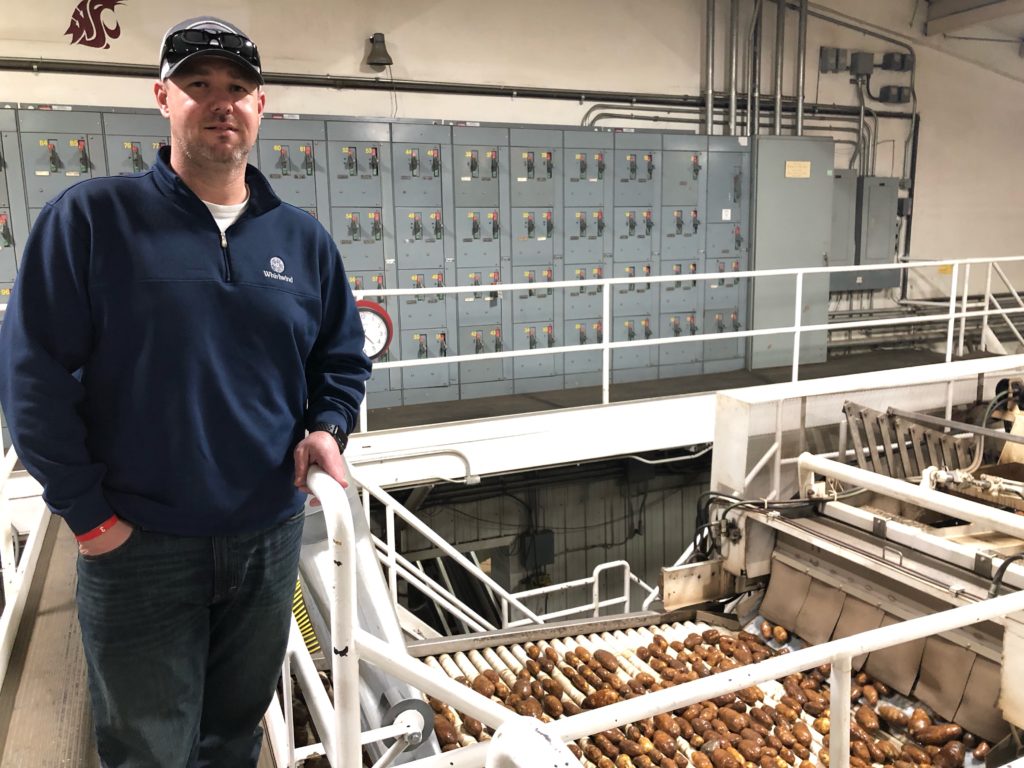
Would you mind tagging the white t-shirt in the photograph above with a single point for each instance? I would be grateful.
(226, 215)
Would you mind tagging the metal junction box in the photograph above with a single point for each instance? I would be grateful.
(864, 230)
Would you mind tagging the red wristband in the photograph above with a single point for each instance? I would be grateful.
(103, 527)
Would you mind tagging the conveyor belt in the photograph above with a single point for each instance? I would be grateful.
(558, 677)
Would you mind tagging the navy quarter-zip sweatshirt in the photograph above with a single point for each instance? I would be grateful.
(153, 368)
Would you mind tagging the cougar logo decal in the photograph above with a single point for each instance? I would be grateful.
(87, 27)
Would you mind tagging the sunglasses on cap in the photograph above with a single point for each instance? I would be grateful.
(186, 42)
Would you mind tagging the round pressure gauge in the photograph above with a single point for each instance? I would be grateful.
(377, 328)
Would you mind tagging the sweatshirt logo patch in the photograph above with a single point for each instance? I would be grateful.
(276, 271)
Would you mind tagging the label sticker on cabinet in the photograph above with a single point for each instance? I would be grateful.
(727, 214)
(798, 169)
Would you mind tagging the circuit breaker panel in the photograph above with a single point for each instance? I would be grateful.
(423, 206)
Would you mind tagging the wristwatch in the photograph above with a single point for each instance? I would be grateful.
(334, 431)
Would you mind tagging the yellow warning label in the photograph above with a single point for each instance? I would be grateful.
(798, 169)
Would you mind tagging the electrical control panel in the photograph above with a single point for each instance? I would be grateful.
(132, 141)
(59, 149)
(422, 206)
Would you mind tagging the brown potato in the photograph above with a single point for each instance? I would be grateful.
(870, 694)
(760, 716)
(552, 705)
(472, 726)
(780, 634)
(750, 750)
(766, 630)
(860, 749)
(624, 761)
(533, 651)
(699, 760)
(665, 743)
(802, 733)
(722, 759)
(592, 752)
(918, 719)
(529, 707)
(815, 708)
(445, 731)
(711, 636)
(917, 754)
(866, 718)
(607, 660)
(601, 698)
(893, 715)
(981, 751)
(786, 713)
(667, 724)
(742, 653)
(537, 690)
(750, 734)
(630, 747)
(606, 746)
(956, 751)
(938, 735)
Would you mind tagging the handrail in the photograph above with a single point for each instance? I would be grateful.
(606, 285)
(837, 652)
(344, 658)
(432, 536)
(592, 581)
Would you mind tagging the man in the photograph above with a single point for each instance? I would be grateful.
(171, 337)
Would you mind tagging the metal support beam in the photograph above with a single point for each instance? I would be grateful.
(953, 15)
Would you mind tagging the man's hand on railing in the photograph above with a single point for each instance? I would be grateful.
(321, 449)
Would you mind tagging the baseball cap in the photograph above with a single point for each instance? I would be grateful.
(208, 36)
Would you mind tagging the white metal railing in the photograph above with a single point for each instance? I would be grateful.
(989, 307)
(339, 727)
(17, 572)
(593, 582)
(396, 565)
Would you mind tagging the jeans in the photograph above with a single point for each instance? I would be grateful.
(184, 640)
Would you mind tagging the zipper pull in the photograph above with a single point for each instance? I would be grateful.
(223, 240)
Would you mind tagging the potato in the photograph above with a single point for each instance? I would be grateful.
(529, 707)
(821, 725)
(870, 694)
(981, 751)
(552, 706)
(602, 698)
(722, 759)
(802, 733)
(917, 754)
(711, 636)
(472, 726)
(607, 660)
(750, 750)
(893, 715)
(938, 735)
(780, 634)
(665, 743)
(742, 653)
(918, 719)
(956, 751)
(866, 718)
(445, 731)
